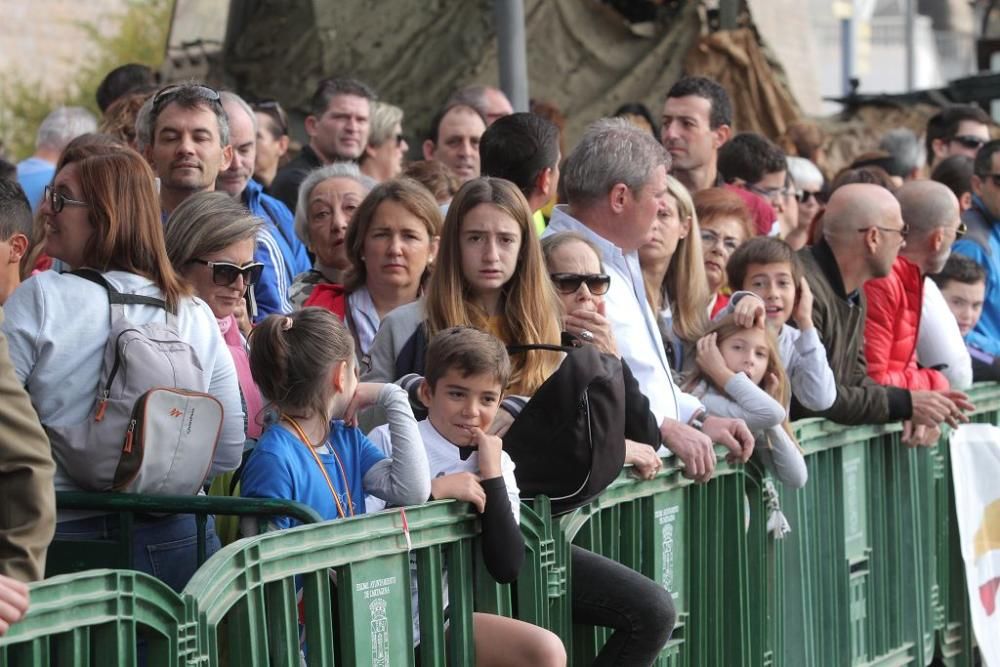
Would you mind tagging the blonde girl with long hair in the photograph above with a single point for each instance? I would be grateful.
(673, 270)
(740, 375)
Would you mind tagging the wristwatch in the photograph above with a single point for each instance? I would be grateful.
(698, 420)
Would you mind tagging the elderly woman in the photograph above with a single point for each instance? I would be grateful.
(102, 212)
(391, 245)
(673, 270)
(808, 185)
(210, 240)
(328, 198)
(383, 157)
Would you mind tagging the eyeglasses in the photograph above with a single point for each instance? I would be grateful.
(711, 239)
(802, 196)
(226, 273)
(960, 230)
(273, 109)
(568, 283)
(400, 139)
(902, 231)
(58, 200)
(969, 141)
(771, 194)
(166, 94)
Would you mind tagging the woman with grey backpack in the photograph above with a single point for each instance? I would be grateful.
(127, 371)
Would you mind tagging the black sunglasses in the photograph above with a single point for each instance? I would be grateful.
(226, 273)
(57, 200)
(568, 283)
(802, 196)
(164, 95)
(969, 141)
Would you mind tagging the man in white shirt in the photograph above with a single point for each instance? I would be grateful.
(616, 184)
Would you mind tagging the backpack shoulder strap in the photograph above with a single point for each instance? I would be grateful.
(514, 349)
(118, 300)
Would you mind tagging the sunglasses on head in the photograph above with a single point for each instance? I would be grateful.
(166, 94)
(568, 283)
(969, 141)
(226, 273)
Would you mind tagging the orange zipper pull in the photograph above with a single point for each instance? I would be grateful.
(102, 406)
(128, 437)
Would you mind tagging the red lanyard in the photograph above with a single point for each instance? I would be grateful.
(322, 468)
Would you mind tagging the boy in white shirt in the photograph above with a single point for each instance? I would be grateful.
(465, 374)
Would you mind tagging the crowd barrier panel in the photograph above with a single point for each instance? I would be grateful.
(870, 575)
(71, 555)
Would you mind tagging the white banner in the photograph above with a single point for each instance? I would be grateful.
(975, 466)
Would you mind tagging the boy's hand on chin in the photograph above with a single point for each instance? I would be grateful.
(489, 447)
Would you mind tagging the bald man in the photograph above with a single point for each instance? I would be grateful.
(863, 232)
(895, 302)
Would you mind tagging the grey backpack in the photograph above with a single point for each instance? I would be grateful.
(150, 429)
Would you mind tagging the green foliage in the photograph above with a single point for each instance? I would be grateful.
(137, 35)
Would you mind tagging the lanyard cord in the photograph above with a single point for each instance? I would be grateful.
(322, 468)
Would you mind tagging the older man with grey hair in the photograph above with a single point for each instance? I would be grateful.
(278, 248)
(60, 127)
(183, 132)
(616, 185)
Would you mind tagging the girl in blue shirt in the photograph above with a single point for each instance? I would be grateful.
(304, 365)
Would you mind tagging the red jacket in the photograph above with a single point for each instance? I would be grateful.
(894, 305)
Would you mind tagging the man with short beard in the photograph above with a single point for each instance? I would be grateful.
(278, 248)
(184, 134)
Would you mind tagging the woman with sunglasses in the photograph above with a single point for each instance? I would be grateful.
(102, 212)
(386, 149)
(210, 240)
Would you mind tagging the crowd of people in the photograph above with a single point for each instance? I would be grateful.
(372, 328)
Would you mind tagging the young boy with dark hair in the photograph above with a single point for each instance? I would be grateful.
(963, 285)
(464, 378)
(768, 269)
(15, 235)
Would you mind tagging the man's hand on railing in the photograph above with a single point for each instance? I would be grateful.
(733, 434)
(13, 602)
(931, 408)
(692, 447)
(919, 435)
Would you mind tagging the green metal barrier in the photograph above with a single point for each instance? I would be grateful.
(870, 575)
(70, 555)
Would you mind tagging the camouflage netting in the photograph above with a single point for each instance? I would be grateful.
(582, 55)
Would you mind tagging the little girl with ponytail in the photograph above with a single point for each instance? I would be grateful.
(313, 453)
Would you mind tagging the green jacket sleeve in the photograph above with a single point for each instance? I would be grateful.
(27, 494)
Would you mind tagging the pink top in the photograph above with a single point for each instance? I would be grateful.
(251, 395)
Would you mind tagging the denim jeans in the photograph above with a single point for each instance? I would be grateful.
(612, 595)
(166, 547)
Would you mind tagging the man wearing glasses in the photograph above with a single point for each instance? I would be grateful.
(754, 163)
(184, 134)
(863, 232)
(982, 243)
(959, 129)
(278, 249)
(895, 302)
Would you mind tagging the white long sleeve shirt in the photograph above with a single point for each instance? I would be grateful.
(637, 333)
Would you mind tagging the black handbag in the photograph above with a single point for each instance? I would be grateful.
(568, 442)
